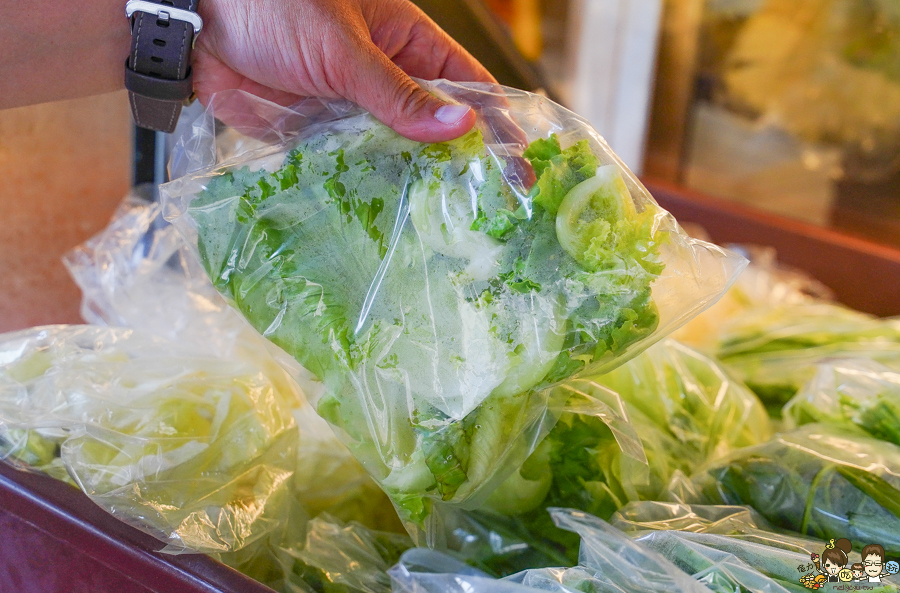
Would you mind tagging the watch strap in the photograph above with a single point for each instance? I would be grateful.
(158, 68)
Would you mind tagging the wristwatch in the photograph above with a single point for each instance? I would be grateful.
(158, 68)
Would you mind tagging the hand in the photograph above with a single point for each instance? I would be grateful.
(361, 50)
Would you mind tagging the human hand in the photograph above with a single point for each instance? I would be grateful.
(361, 50)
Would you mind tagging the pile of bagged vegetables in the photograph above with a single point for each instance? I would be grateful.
(353, 362)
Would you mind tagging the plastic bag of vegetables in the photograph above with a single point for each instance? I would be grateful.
(652, 515)
(340, 558)
(820, 480)
(726, 564)
(608, 561)
(851, 391)
(764, 283)
(682, 410)
(720, 543)
(438, 290)
(196, 451)
(775, 349)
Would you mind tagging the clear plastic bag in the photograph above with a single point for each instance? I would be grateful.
(681, 408)
(775, 349)
(727, 564)
(204, 454)
(639, 516)
(819, 480)
(775, 324)
(422, 570)
(727, 547)
(733, 522)
(139, 273)
(437, 290)
(693, 397)
(334, 556)
(765, 282)
(196, 451)
(608, 561)
(851, 391)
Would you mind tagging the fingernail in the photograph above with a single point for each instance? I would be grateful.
(450, 114)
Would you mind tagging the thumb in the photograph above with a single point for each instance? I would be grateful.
(384, 90)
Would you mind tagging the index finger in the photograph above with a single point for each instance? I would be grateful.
(424, 50)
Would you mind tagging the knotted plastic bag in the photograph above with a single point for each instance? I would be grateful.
(437, 290)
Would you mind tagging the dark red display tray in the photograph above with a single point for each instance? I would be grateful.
(53, 539)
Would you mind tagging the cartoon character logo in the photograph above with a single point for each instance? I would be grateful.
(832, 567)
(874, 566)
(834, 559)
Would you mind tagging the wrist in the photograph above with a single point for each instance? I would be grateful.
(50, 51)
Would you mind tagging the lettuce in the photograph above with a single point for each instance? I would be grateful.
(431, 297)
(196, 451)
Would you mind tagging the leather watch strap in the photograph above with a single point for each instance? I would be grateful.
(158, 68)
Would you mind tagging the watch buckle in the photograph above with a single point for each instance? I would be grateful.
(165, 13)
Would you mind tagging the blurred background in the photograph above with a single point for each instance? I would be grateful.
(782, 112)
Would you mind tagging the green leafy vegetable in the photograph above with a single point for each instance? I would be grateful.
(433, 300)
(682, 410)
(819, 480)
(775, 349)
(856, 392)
(181, 445)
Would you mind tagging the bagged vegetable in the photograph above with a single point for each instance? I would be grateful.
(774, 350)
(198, 452)
(725, 564)
(729, 548)
(608, 561)
(681, 409)
(824, 481)
(422, 570)
(338, 557)
(641, 516)
(439, 290)
(139, 273)
(201, 453)
(860, 392)
(693, 397)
